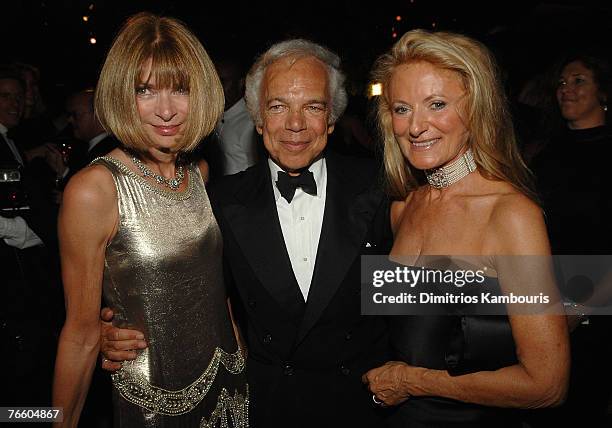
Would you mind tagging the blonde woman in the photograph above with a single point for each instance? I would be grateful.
(138, 225)
(443, 115)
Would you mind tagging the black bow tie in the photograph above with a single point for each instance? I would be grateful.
(287, 184)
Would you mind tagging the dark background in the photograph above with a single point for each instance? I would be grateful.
(527, 36)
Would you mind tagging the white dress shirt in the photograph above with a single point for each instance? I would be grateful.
(237, 139)
(301, 222)
(16, 233)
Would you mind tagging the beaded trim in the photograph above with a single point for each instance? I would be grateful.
(237, 407)
(135, 389)
(178, 196)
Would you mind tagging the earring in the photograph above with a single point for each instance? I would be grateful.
(605, 107)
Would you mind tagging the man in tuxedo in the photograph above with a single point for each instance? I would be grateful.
(14, 229)
(294, 228)
(29, 316)
(87, 128)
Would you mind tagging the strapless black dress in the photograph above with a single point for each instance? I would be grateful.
(460, 345)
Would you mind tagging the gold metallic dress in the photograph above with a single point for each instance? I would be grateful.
(163, 276)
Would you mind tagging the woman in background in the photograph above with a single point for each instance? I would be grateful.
(573, 179)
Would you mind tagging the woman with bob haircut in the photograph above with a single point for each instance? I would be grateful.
(462, 191)
(138, 225)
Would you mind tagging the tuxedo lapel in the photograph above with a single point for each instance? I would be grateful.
(103, 147)
(7, 157)
(345, 224)
(253, 220)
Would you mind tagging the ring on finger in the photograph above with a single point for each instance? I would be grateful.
(376, 400)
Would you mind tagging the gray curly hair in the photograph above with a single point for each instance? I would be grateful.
(296, 48)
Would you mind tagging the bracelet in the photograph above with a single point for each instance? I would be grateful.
(577, 307)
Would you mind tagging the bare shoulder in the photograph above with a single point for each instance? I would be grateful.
(398, 208)
(513, 208)
(92, 185)
(89, 213)
(517, 224)
(89, 204)
(204, 170)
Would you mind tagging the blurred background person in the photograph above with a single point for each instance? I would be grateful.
(234, 146)
(39, 125)
(572, 168)
(31, 313)
(573, 179)
(87, 129)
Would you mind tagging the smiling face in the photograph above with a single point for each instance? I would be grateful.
(427, 114)
(162, 111)
(12, 97)
(295, 108)
(578, 97)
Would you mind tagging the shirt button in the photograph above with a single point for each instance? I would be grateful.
(267, 338)
(252, 304)
(288, 369)
(302, 218)
(345, 370)
(305, 259)
(348, 336)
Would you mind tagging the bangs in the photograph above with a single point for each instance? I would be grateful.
(168, 70)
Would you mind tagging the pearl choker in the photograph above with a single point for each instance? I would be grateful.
(444, 176)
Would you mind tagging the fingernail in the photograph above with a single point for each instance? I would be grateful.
(140, 336)
(142, 344)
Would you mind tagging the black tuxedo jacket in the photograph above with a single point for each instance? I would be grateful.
(31, 289)
(104, 146)
(80, 158)
(306, 359)
(83, 158)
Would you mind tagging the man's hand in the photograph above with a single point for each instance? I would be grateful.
(117, 344)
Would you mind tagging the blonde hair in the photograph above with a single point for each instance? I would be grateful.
(178, 61)
(488, 120)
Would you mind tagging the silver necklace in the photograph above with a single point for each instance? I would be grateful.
(172, 183)
(444, 176)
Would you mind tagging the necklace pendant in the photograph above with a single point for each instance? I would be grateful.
(172, 183)
(438, 179)
(445, 176)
